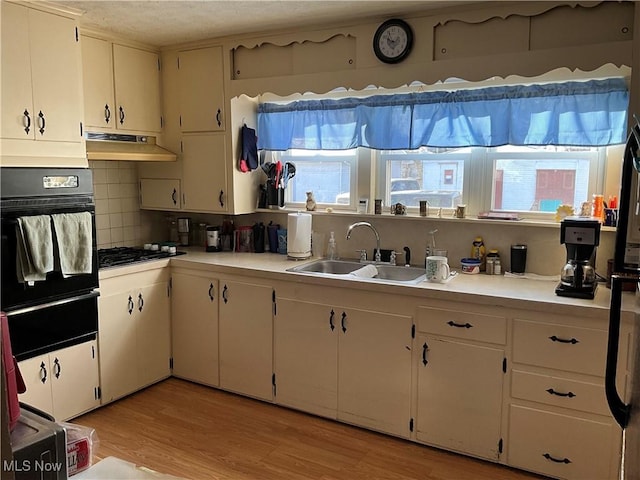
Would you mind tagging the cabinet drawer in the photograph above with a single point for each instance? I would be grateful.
(464, 325)
(574, 349)
(559, 445)
(560, 392)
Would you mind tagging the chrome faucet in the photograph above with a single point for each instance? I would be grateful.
(366, 224)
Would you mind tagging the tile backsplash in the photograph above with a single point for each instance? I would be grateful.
(118, 216)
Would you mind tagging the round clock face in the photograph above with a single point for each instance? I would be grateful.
(393, 41)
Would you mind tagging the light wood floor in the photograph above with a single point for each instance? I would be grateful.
(195, 432)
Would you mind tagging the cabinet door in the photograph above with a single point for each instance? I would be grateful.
(37, 374)
(137, 89)
(201, 90)
(204, 173)
(117, 337)
(374, 370)
(306, 356)
(246, 338)
(153, 333)
(160, 193)
(194, 328)
(97, 78)
(16, 73)
(55, 71)
(460, 396)
(74, 380)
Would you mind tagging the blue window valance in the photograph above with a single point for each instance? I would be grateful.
(590, 113)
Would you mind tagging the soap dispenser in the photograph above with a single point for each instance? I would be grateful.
(332, 253)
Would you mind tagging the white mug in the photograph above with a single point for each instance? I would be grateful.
(437, 269)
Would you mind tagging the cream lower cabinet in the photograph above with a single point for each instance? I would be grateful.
(246, 337)
(194, 326)
(63, 383)
(134, 331)
(346, 363)
(559, 421)
(461, 372)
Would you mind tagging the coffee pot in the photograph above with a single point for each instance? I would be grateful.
(580, 236)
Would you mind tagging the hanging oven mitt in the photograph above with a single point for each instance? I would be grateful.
(249, 157)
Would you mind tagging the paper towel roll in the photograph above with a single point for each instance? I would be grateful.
(299, 235)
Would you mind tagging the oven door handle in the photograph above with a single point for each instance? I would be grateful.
(55, 303)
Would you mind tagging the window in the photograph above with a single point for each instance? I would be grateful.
(432, 174)
(539, 179)
(329, 174)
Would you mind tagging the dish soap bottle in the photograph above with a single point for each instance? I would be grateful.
(478, 251)
(332, 253)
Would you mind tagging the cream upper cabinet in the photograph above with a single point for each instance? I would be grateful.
(97, 78)
(121, 87)
(41, 98)
(194, 326)
(201, 90)
(204, 173)
(246, 338)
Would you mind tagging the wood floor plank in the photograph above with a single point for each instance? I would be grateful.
(198, 433)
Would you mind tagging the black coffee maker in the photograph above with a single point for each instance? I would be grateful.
(581, 236)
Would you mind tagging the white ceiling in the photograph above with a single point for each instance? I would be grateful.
(170, 22)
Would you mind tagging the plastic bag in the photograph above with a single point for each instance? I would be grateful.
(82, 443)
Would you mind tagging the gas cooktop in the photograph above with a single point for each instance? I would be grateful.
(111, 257)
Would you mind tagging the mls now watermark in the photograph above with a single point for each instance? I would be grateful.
(31, 466)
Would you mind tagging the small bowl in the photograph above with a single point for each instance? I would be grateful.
(470, 265)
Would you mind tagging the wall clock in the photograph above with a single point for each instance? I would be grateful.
(393, 41)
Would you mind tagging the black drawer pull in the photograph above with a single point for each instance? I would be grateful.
(43, 373)
(56, 368)
(130, 305)
(342, 321)
(27, 117)
(451, 323)
(331, 324)
(572, 341)
(425, 347)
(549, 457)
(211, 292)
(560, 394)
(107, 113)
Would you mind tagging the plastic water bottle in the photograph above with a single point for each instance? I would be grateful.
(332, 253)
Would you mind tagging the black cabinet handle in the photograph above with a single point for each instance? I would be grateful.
(451, 323)
(41, 122)
(221, 198)
(343, 323)
(224, 294)
(549, 457)
(140, 302)
(425, 347)
(560, 394)
(572, 341)
(107, 113)
(56, 368)
(121, 115)
(130, 305)
(218, 117)
(331, 324)
(43, 373)
(27, 117)
(211, 292)
(173, 196)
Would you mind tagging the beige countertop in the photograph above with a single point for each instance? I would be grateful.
(483, 289)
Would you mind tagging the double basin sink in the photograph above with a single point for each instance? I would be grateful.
(347, 268)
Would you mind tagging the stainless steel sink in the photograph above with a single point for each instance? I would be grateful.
(343, 268)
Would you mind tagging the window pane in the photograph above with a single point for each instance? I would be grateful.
(328, 174)
(435, 175)
(539, 180)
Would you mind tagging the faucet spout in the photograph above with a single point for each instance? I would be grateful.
(373, 229)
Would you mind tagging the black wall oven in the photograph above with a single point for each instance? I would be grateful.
(58, 311)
